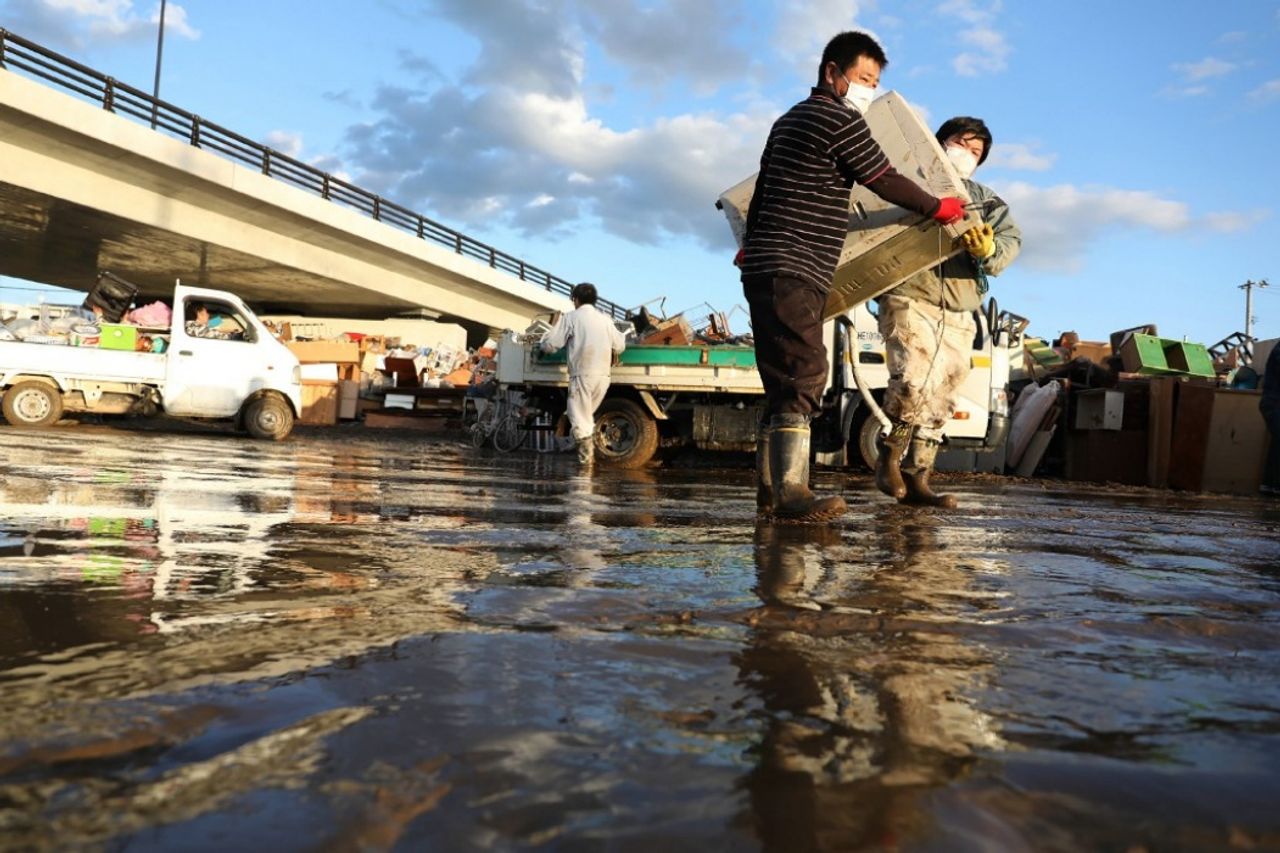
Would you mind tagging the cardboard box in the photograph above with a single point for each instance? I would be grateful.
(118, 336)
(319, 372)
(319, 352)
(886, 244)
(1095, 351)
(319, 403)
(348, 399)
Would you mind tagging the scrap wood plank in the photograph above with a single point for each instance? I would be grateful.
(1160, 430)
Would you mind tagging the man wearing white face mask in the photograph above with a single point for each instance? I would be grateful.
(795, 230)
(928, 328)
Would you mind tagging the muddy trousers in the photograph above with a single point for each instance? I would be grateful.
(786, 322)
(928, 351)
(586, 393)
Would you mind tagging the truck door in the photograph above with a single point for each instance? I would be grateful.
(212, 359)
(974, 402)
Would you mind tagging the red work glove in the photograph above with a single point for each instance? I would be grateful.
(950, 209)
(737, 259)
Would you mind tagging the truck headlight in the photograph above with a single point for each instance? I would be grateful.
(297, 374)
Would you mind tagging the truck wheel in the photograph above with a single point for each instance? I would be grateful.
(867, 433)
(32, 404)
(626, 435)
(268, 417)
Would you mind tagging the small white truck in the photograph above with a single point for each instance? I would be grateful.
(710, 396)
(248, 376)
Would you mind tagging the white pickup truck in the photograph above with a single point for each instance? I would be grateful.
(248, 376)
(711, 397)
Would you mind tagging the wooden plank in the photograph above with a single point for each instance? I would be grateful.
(1160, 430)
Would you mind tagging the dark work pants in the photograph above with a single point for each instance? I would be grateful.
(786, 321)
(1271, 414)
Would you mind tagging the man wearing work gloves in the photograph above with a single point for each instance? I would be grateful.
(592, 339)
(795, 230)
(928, 328)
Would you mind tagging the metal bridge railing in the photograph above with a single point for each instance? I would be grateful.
(19, 54)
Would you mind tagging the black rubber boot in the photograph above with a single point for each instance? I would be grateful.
(888, 463)
(586, 451)
(915, 473)
(764, 482)
(789, 473)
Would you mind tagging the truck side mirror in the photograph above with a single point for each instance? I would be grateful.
(993, 316)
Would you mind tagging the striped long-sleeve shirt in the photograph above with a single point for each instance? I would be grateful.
(799, 213)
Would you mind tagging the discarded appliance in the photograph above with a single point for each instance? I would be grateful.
(886, 244)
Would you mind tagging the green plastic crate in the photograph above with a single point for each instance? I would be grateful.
(1192, 359)
(1145, 354)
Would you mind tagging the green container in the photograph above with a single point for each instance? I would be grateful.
(1192, 359)
(665, 355)
(116, 336)
(1145, 354)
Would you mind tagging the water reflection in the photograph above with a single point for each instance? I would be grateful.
(869, 682)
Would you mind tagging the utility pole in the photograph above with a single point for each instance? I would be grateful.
(155, 94)
(1248, 287)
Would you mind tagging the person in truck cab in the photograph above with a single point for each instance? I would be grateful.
(928, 328)
(795, 230)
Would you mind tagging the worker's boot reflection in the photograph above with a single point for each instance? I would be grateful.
(585, 538)
(868, 702)
(789, 562)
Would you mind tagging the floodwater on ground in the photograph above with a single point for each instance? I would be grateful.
(360, 641)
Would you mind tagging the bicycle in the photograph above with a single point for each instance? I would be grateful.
(500, 423)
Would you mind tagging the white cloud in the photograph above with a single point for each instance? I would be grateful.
(1059, 222)
(1229, 222)
(1267, 91)
(286, 142)
(549, 164)
(804, 27)
(526, 151)
(1205, 69)
(986, 49)
(1186, 91)
(72, 24)
(1020, 157)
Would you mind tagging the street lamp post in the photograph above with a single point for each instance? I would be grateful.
(1248, 287)
(155, 94)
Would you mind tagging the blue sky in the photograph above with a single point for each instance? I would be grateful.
(1134, 141)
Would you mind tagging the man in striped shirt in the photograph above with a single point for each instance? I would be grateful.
(796, 226)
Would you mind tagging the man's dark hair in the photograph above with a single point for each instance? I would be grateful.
(584, 293)
(845, 49)
(966, 125)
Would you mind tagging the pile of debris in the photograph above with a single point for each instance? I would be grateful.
(1142, 410)
(381, 379)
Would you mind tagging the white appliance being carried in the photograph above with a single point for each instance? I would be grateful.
(886, 244)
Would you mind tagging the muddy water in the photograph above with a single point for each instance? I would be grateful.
(360, 642)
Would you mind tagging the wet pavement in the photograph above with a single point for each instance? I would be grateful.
(355, 640)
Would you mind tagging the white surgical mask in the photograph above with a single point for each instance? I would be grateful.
(962, 159)
(859, 97)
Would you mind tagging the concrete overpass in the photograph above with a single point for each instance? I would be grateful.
(86, 184)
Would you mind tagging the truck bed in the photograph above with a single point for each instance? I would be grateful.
(103, 365)
(654, 368)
